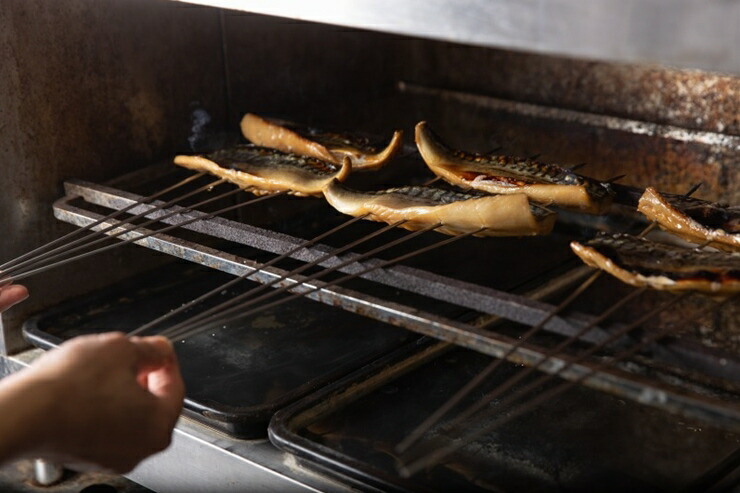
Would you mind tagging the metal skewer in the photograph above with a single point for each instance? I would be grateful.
(233, 306)
(434, 418)
(133, 229)
(230, 304)
(440, 412)
(12, 263)
(348, 277)
(101, 235)
(498, 391)
(439, 454)
(246, 275)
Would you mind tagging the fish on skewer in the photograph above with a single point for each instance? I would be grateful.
(266, 171)
(641, 262)
(695, 220)
(456, 212)
(547, 184)
(327, 146)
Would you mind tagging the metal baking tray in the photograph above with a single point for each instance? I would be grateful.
(237, 375)
(585, 441)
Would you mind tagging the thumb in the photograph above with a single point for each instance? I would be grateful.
(158, 362)
(152, 353)
(12, 294)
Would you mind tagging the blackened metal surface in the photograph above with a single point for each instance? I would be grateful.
(236, 375)
(582, 442)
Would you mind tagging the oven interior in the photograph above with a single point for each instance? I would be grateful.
(165, 78)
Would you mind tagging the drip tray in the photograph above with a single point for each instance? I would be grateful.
(581, 442)
(237, 376)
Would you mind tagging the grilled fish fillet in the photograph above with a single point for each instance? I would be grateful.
(265, 171)
(641, 262)
(455, 212)
(543, 183)
(694, 220)
(332, 147)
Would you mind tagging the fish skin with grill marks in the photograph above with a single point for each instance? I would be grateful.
(328, 146)
(265, 171)
(694, 220)
(546, 184)
(456, 212)
(641, 262)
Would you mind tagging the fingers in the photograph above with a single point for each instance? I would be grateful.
(152, 352)
(159, 373)
(167, 386)
(12, 294)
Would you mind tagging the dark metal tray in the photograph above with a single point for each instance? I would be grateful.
(236, 376)
(584, 441)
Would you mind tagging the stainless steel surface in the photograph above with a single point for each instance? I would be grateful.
(204, 460)
(47, 473)
(200, 458)
(675, 32)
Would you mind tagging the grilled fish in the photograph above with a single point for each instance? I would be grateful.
(265, 171)
(641, 262)
(543, 183)
(455, 212)
(695, 220)
(331, 147)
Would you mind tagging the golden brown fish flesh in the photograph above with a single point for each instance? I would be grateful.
(455, 212)
(695, 220)
(543, 183)
(328, 146)
(264, 171)
(641, 262)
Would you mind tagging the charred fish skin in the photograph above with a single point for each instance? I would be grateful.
(695, 220)
(263, 170)
(640, 262)
(453, 212)
(328, 146)
(542, 182)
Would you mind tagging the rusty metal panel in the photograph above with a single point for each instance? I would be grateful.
(92, 89)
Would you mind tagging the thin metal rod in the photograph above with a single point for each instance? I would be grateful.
(497, 392)
(113, 215)
(230, 305)
(348, 277)
(101, 236)
(147, 235)
(439, 454)
(437, 415)
(434, 418)
(246, 275)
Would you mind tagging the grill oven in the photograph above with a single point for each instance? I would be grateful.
(127, 87)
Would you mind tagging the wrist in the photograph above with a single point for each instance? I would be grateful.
(27, 407)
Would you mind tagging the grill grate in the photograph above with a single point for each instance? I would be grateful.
(706, 387)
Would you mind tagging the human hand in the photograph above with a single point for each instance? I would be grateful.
(103, 400)
(11, 294)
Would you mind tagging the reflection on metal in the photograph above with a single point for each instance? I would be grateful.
(46, 473)
(674, 32)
